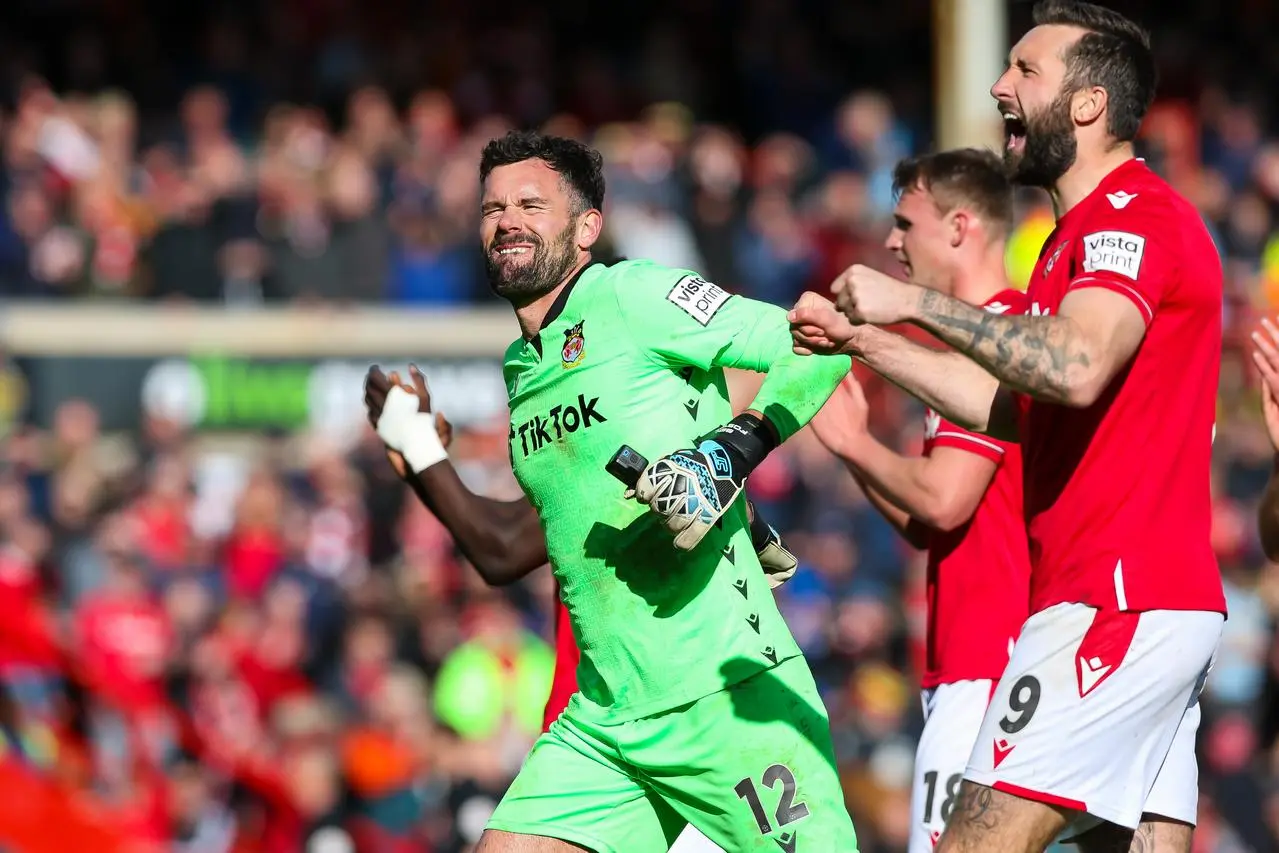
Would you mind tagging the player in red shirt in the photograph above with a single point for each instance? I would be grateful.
(1110, 382)
(504, 541)
(962, 500)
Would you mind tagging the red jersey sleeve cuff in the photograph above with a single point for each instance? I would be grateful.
(1120, 287)
(949, 435)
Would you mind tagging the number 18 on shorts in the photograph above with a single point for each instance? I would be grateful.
(952, 717)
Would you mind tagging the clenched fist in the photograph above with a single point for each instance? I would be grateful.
(817, 327)
(865, 295)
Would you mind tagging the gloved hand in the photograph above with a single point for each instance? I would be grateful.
(778, 562)
(692, 489)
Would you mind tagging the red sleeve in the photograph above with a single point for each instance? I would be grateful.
(1131, 251)
(950, 435)
(564, 682)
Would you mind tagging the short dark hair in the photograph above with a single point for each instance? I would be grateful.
(1114, 54)
(580, 165)
(962, 177)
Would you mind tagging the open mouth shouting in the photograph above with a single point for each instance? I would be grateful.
(1014, 129)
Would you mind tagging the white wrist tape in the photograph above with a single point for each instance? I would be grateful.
(410, 432)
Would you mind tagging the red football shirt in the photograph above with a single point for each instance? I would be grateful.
(564, 682)
(1117, 497)
(124, 646)
(979, 573)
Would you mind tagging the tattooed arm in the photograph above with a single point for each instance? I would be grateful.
(947, 382)
(1068, 359)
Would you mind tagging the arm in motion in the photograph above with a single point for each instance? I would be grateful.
(502, 539)
(940, 491)
(947, 382)
(1068, 359)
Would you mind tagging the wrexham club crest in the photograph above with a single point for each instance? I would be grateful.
(574, 346)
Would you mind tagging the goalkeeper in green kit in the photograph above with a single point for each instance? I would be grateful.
(695, 704)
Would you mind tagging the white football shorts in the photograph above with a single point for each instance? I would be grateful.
(952, 717)
(1097, 712)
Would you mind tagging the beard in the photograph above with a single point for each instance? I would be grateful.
(521, 282)
(1050, 147)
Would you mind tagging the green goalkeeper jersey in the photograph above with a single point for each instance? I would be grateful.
(634, 353)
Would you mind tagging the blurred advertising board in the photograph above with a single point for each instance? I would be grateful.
(230, 371)
(234, 393)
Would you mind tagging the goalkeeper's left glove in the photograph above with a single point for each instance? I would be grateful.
(779, 564)
(692, 489)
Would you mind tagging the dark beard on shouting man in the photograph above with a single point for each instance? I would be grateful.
(1050, 148)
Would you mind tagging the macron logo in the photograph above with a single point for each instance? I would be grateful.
(1091, 672)
(1003, 749)
(1120, 199)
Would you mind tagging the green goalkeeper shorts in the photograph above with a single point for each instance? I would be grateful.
(751, 766)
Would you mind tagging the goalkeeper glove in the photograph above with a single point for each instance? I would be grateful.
(692, 489)
(779, 564)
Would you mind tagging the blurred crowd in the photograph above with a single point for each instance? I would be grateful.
(270, 646)
(335, 162)
(280, 650)
(381, 207)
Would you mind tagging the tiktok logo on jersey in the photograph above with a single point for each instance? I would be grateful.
(541, 430)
